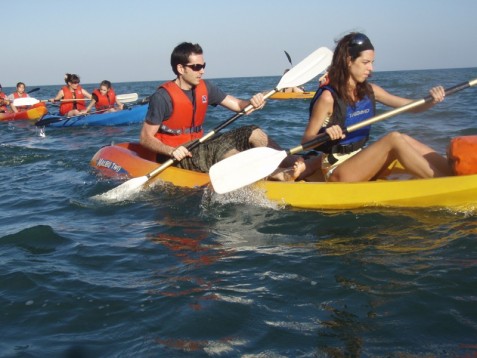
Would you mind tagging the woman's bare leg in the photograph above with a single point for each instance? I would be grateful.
(371, 160)
(438, 161)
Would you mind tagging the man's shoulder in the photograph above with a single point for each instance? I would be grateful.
(210, 84)
(216, 95)
(160, 93)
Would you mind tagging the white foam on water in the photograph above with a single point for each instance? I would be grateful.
(247, 195)
(125, 191)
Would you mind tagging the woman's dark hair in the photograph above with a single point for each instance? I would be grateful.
(105, 83)
(348, 47)
(71, 78)
(180, 54)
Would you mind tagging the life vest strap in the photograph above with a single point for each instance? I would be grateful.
(165, 129)
(348, 148)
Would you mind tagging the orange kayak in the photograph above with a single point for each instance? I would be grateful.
(34, 112)
(131, 160)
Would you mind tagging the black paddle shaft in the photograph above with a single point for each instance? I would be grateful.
(33, 90)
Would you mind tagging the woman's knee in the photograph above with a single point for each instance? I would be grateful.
(394, 136)
(394, 140)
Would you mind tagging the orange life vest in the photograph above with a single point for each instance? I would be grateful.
(65, 107)
(3, 99)
(23, 95)
(104, 102)
(185, 122)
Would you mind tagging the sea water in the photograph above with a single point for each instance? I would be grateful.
(178, 272)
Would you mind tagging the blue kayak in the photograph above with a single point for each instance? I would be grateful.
(130, 115)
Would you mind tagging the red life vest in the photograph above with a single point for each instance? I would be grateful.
(65, 107)
(185, 122)
(23, 95)
(3, 98)
(104, 102)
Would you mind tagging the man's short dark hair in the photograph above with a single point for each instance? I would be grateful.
(180, 54)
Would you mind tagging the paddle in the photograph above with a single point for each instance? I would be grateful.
(289, 58)
(254, 164)
(28, 101)
(15, 102)
(303, 72)
(33, 90)
(127, 98)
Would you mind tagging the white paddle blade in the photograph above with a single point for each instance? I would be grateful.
(25, 101)
(123, 191)
(244, 168)
(128, 97)
(307, 69)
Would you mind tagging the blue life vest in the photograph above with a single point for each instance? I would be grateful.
(345, 116)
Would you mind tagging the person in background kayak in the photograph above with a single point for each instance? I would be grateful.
(19, 93)
(348, 98)
(177, 111)
(72, 96)
(300, 89)
(4, 101)
(104, 99)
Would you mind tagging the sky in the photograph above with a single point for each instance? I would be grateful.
(131, 40)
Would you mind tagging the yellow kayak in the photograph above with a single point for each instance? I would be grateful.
(458, 193)
(130, 160)
(292, 95)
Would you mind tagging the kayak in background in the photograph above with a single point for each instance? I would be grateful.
(293, 95)
(33, 113)
(131, 160)
(130, 115)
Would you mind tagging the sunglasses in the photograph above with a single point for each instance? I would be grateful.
(196, 67)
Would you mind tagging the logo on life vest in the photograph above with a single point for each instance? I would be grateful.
(204, 98)
(358, 113)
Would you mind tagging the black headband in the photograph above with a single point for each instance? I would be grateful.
(359, 43)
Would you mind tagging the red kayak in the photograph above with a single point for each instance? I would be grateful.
(34, 112)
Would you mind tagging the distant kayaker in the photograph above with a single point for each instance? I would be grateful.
(347, 98)
(104, 99)
(19, 93)
(4, 101)
(177, 111)
(72, 96)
